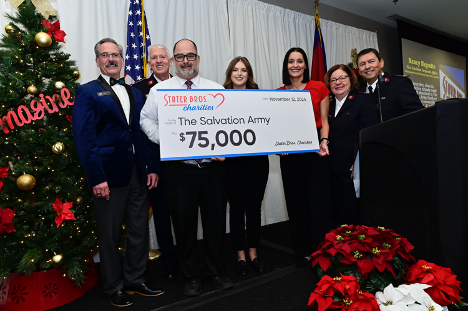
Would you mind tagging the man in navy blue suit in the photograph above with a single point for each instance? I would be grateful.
(119, 166)
(397, 94)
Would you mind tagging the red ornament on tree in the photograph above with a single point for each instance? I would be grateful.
(3, 174)
(54, 30)
(6, 217)
(63, 211)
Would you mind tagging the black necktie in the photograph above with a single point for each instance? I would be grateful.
(116, 81)
(370, 89)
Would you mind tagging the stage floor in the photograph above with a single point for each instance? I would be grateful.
(280, 287)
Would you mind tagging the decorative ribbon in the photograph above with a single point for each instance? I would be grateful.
(43, 6)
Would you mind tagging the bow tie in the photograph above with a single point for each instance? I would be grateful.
(116, 81)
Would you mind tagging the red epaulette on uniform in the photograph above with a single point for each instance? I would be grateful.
(402, 76)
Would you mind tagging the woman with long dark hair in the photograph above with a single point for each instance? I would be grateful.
(306, 180)
(247, 178)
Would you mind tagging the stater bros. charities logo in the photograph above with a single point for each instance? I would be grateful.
(195, 102)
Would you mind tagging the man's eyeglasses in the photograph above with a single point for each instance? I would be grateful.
(180, 57)
(106, 55)
(342, 78)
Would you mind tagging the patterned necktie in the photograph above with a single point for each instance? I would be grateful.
(188, 83)
(370, 89)
(116, 81)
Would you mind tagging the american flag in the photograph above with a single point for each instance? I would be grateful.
(138, 41)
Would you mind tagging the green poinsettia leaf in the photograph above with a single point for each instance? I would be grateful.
(320, 271)
(379, 280)
(461, 304)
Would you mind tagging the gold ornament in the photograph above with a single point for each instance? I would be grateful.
(26, 182)
(32, 90)
(58, 148)
(76, 75)
(8, 29)
(79, 200)
(57, 260)
(43, 39)
(59, 85)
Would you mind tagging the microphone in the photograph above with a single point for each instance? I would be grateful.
(377, 88)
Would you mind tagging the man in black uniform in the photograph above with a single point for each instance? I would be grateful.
(397, 93)
(159, 61)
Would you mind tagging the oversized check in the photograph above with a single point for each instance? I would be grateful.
(205, 123)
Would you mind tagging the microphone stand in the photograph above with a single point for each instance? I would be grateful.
(377, 88)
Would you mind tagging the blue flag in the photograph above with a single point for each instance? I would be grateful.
(138, 41)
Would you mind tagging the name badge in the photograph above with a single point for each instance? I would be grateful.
(104, 93)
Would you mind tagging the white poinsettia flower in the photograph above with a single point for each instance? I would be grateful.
(422, 300)
(393, 299)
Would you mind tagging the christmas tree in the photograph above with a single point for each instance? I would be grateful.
(45, 207)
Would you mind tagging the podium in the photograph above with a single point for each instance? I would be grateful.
(414, 179)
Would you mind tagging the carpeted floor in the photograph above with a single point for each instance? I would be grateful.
(280, 287)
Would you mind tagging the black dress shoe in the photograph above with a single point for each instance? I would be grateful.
(222, 282)
(192, 288)
(241, 267)
(303, 262)
(120, 299)
(143, 290)
(258, 265)
(170, 272)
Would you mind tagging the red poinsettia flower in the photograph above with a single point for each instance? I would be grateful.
(54, 30)
(445, 288)
(361, 302)
(6, 218)
(63, 211)
(349, 295)
(3, 174)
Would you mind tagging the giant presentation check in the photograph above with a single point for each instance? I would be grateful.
(202, 123)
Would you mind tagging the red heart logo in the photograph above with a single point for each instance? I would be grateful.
(214, 96)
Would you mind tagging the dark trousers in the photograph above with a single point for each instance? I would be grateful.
(345, 207)
(247, 179)
(306, 184)
(189, 188)
(162, 223)
(129, 202)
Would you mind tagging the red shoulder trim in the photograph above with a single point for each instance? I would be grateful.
(402, 76)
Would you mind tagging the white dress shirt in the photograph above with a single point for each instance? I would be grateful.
(121, 93)
(149, 121)
(339, 104)
(373, 86)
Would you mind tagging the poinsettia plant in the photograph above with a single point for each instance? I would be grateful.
(377, 257)
(445, 288)
(342, 293)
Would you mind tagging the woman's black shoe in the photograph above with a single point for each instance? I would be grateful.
(241, 267)
(258, 265)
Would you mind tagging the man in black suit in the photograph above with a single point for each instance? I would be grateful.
(397, 93)
(119, 165)
(160, 61)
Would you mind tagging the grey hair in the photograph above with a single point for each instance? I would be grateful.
(158, 46)
(98, 45)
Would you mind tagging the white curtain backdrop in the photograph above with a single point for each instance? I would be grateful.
(222, 29)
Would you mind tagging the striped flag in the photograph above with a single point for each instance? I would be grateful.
(319, 60)
(138, 41)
